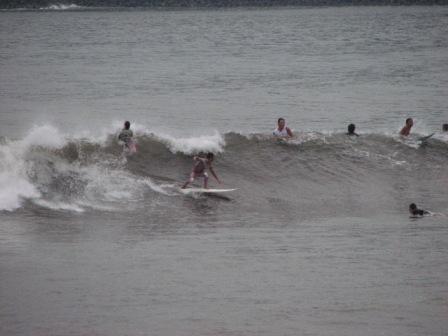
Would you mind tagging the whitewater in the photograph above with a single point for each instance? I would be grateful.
(317, 238)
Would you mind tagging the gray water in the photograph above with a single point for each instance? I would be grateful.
(317, 239)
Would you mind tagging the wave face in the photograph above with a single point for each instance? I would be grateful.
(313, 175)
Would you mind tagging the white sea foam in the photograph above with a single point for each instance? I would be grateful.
(187, 145)
(45, 136)
(58, 205)
(14, 182)
(14, 187)
(441, 136)
(61, 7)
(206, 143)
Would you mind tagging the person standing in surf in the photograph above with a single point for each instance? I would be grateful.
(126, 135)
(282, 131)
(406, 130)
(199, 170)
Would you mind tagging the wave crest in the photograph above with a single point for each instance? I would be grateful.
(68, 173)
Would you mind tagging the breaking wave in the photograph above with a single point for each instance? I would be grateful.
(59, 172)
(61, 7)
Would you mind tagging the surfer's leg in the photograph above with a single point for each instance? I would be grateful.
(205, 180)
(190, 180)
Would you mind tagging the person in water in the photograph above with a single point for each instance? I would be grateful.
(199, 170)
(351, 130)
(406, 130)
(416, 211)
(126, 134)
(282, 131)
(445, 127)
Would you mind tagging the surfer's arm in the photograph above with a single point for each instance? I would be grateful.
(198, 158)
(214, 174)
(288, 130)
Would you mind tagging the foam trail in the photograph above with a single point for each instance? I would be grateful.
(58, 205)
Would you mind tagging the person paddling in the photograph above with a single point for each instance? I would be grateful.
(406, 130)
(351, 130)
(414, 211)
(282, 131)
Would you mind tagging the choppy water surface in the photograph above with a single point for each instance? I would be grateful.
(316, 240)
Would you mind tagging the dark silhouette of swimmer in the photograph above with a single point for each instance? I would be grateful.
(351, 130)
(416, 211)
(126, 133)
(445, 127)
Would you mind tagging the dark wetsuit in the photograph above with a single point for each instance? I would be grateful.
(419, 212)
(126, 136)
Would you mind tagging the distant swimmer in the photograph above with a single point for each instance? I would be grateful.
(199, 170)
(406, 130)
(417, 212)
(126, 135)
(282, 131)
(351, 130)
(445, 127)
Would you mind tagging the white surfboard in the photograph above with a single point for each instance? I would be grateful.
(205, 191)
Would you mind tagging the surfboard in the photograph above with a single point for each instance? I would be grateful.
(205, 191)
(133, 147)
(422, 139)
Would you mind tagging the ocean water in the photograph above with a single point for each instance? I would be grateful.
(317, 239)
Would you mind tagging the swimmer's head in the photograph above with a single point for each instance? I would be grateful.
(281, 122)
(127, 125)
(210, 156)
(409, 122)
(351, 128)
(412, 207)
(445, 127)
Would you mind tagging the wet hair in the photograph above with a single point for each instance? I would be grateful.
(408, 120)
(210, 155)
(445, 127)
(127, 125)
(280, 119)
(412, 206)
(351, 128)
